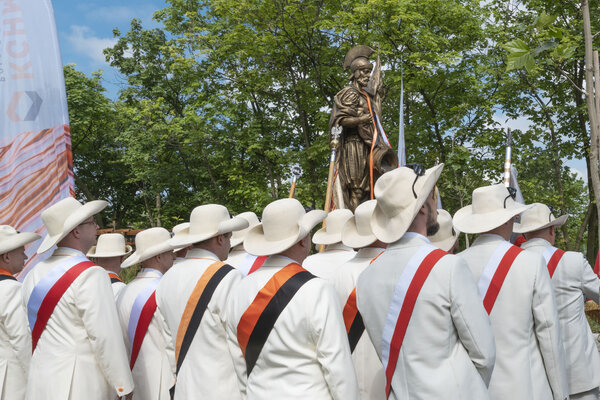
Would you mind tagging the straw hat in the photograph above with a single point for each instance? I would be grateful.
(446, 236)
(110, 245)
(149, 243)
(208, 221)
(539, 216)
(62, 217)
(492, 206)
(178, 233)
(238, 236)
(400, 195)
(11, 239)
(284, 223)
(332, 231)
(357, 231)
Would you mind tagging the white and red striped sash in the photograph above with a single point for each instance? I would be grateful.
(251, 263)
(552, 255)
(495, 272)
(403, 302)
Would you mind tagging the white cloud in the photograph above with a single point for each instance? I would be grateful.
(83, 41)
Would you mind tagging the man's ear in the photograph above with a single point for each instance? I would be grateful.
(75, 232)
(5, 258)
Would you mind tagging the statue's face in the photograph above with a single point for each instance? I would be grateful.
(362, 75)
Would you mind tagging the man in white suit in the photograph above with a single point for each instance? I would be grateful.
(420, 304)
(284, 325)
(515, 288)
(109, 253)
(325, 264)
(15, 340)
(192, 296)
(238, 258)
(357, 234)
(78, 347)
(573, 280)
(150, 349)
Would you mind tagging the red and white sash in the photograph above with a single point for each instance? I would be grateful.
(49, 290)
(141, 315)
(552, 255)
(495, 272)
(251, 263)
(403, 302)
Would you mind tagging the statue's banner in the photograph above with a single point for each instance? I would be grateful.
(36, 163)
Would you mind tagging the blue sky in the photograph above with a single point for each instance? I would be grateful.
(85, 29)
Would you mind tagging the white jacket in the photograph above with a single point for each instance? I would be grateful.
(236, 256)
(369, 371)
(80, 354)
(207, 371)
(15, 342)
(306, 355)
(573, 281)
(326, 264)
(448, 350)
(152, 372)
(530, 361)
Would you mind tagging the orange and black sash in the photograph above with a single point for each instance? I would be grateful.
(352, 318)
(195, 307)
(4, 274)
(114, 278)
(353, 321)
(260, 317)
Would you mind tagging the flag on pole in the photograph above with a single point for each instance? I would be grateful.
(36, 163)
(401, 145)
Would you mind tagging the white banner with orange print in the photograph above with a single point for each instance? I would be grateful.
(36, 163)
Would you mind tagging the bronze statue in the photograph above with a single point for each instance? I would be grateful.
(364, 152)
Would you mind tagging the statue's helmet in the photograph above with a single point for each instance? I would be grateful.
(359, 63)
(355, 54)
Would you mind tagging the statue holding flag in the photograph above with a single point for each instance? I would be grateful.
(364, 151)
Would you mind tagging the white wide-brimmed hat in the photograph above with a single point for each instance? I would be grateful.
(539, 216)
(208, 221)
(446, 236)
(149, 243)
(400, 194)
(357, 231)
(284, 223)
(491, 207)
(62, 217)
(238, 236)
(180, 231)
(334, 224)
(110, 245)
(11, 239)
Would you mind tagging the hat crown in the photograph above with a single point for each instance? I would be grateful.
(362, 217)
(334, 223)
(207, 217)
(444, 219)
(281, 218)
(111, 243)
(54, 217)
(180, 227)
(491, 198)
(393, 190)
(149, 238)
(538, 214)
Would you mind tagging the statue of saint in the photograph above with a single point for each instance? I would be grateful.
(364, 152)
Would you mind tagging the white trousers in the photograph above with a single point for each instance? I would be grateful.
(593, 394)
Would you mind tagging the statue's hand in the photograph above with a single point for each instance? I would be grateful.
(365, 119)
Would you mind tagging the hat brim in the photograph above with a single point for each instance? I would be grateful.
(466, 221)
(322, 237)
(92, 253)
(351, 237)
(87, 210)
(187, 239)
(256, 243)
(560, 221)
(390, 229)
(445, 244)
(138, 257)
(18, 240)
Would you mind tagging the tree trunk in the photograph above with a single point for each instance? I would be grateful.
(592, 110)
(158, 204)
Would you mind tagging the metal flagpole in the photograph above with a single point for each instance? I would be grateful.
(401, 145)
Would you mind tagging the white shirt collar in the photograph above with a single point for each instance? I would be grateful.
(410, 235)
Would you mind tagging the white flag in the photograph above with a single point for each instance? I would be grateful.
(36, 163)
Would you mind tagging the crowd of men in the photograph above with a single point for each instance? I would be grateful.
(234, 308)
